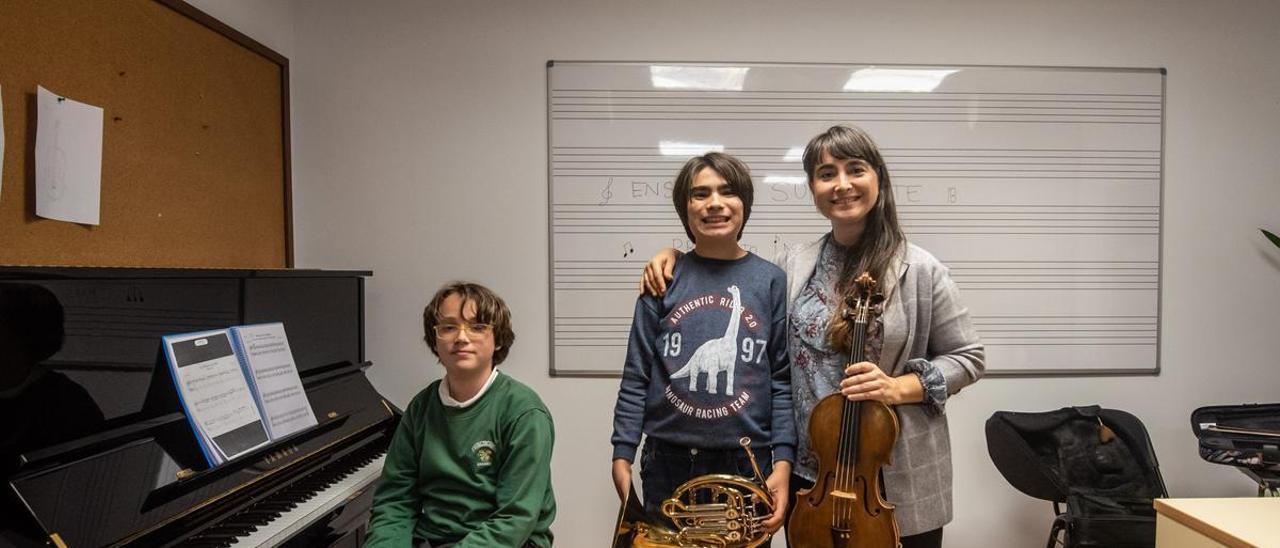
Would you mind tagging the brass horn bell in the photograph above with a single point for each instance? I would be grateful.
(711, 511)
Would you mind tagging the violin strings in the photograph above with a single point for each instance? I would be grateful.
(847, 453)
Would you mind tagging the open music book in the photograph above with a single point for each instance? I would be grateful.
(239, 388)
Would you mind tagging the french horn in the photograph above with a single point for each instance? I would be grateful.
(710, 511)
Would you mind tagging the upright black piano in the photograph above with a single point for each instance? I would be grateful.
(127, 470)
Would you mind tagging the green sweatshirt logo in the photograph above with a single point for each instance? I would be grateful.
(483, 451)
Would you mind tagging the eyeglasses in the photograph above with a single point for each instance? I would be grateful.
(451, 330)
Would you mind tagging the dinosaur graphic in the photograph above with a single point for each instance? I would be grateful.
(716, 355)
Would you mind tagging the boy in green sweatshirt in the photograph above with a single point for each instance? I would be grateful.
(470, 463)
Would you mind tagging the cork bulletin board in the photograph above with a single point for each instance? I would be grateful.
(195, 153)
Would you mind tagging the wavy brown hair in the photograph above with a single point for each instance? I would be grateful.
(881, 238)
(490, 309)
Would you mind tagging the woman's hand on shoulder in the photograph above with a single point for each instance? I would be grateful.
(658, 272)
(866, 381)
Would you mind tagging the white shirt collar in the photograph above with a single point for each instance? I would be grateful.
(448, 400)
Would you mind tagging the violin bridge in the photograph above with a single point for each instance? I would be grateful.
(851, 497)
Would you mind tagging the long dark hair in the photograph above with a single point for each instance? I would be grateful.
(881, 237)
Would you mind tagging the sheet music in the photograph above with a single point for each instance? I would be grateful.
(68, 159)
(215, 394)
(265, 349)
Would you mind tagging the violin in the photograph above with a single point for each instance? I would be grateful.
(846, 507)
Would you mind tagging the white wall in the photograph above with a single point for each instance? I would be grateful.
(267, 21)
(420, 153)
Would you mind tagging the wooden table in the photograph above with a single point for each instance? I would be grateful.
(1235, 522)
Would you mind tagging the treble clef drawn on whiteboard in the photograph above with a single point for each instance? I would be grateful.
(607, 193)
(627, 249)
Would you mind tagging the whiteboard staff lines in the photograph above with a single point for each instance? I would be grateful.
(834, 94)
(901, 170)
(623, 93)
(1113, 335)
(856, 100)
(838, 95)
(674, 163)
(937, 114)
(560, 101)
(633, 270)
(766, 212)
(920, 104)
(970, 111)
(774, 162)
(1039, 189)
(764, 167)
(987, 279)
(818, 227)
(734, 118)
(922, 107)
(762, 171)
(809, 206)
(766, 217)
(1024, 227)
(765, 225)
(919, 232)
(887, 151)
(634, 267)
(889, 154)
(1024, 178)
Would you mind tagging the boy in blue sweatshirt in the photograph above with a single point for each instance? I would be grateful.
(707, 362)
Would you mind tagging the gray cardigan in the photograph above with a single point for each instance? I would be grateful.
(923, 319)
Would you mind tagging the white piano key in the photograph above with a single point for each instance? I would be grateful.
(320, 503)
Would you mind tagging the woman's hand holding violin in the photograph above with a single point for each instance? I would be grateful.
(866, 381)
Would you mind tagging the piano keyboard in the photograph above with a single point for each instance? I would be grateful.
(275, 519)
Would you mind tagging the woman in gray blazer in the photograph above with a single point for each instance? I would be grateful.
(921, 350)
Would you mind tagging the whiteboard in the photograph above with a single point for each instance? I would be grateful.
(1039, 187)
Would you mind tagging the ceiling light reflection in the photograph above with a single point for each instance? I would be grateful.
(786, 179)
(897, 79)
(685, 150)
(703, 78)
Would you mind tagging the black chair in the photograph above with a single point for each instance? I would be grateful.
(1098, 462)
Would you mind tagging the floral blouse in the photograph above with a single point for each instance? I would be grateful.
(816, 367)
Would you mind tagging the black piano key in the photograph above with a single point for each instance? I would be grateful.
(226, 531)
(273, 506)
(217, 538)
(261, 517)
(237, 527)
